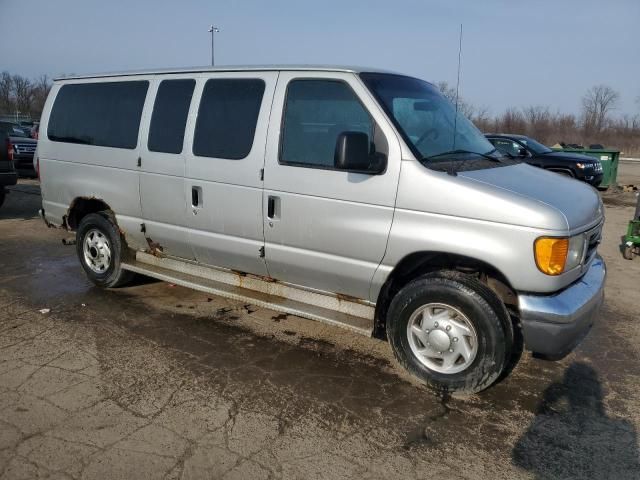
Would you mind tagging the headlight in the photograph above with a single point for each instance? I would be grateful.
(581, 166)
(556, 255)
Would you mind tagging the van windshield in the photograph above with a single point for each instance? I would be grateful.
(425, 118)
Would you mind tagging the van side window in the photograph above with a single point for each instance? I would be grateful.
(227, 118)
(105, 114)
(316, 112)
(169, 118)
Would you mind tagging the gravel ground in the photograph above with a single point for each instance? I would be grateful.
(156, 381)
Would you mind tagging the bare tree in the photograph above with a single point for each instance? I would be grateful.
(511, 121)
(7, 101)
(464, 107)
(23, 94)
(597, 104)
(40, 89)
(538, 120)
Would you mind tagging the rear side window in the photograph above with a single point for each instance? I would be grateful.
(169, 117)
(316, 113)
(227, 118)
(104, 114)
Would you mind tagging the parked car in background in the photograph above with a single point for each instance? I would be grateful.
(35, 131)
(8, 175)
(575, 165)
(20, 147)
(26, 126)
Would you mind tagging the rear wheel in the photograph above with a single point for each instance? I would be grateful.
(100, 248)
(451, 331)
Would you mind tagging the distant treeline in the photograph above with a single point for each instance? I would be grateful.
(22, 97)
(596, 124)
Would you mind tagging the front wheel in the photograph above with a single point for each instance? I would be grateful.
(451, 331)
(100, 248)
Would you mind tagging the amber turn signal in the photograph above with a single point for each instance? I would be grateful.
(551, 254)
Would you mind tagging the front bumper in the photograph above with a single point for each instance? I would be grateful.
(593, 179)
(553, 325)
(24, 164)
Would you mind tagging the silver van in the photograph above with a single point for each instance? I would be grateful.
(352, 196)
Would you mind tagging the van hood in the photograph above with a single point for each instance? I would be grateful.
(578, 202)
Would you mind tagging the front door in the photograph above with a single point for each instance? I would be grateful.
(326, 228)
(223, 180)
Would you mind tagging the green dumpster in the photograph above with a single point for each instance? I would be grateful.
(609, 160)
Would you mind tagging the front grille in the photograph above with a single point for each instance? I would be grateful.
(597, 167)
(594, 237)
(24, 148)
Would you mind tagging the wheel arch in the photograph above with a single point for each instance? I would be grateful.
(562, 170)
(82, 206)
(417, 264)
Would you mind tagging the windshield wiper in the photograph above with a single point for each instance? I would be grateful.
(454, 171)
(454, 152)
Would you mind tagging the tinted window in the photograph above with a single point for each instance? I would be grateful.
(536, 146)
(506, 146)
(227, 118)
(104, 114)
(169, 117)
(316, 112)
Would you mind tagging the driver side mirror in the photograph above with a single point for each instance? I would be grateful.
(353, 154)
(522, 152)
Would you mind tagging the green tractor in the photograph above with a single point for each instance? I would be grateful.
(631, 246)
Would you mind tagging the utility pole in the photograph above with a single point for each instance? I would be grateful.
(213, 30)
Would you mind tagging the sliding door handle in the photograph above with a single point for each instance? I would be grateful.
(271, 207)
(196, 197)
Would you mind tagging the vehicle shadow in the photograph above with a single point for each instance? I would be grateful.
(572, 436)
(21, 202)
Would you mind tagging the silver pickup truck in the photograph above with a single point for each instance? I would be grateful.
(352, 196)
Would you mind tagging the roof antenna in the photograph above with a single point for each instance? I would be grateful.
(455, 119)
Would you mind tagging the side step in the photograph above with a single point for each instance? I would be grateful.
(199, 277)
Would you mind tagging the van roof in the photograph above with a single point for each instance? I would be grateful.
(230, 68)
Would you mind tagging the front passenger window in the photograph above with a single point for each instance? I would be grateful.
(316, 113)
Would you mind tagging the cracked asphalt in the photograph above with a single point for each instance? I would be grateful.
(157, 381)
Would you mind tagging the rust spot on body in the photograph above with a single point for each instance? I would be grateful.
(155, 248)
(348, 298)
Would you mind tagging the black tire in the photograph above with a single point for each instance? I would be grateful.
(113, 275)
(484, 311)
(3, 195)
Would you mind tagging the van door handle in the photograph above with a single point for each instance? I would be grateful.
(196, 196)
(273, 208)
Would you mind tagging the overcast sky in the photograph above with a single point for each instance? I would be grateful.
(515, 53)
